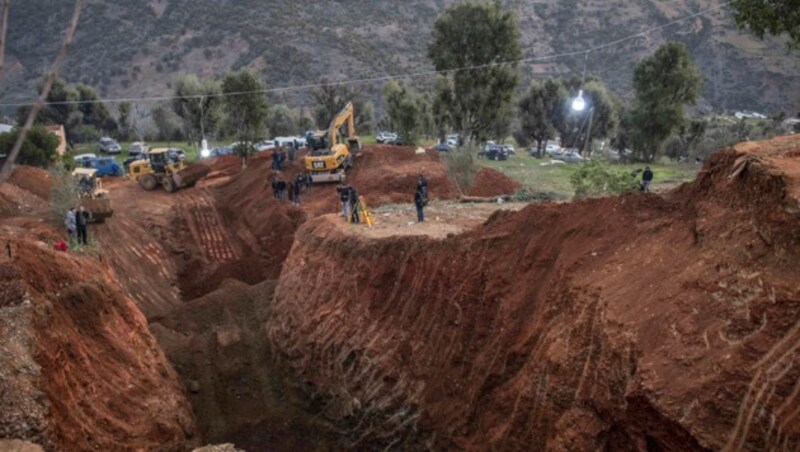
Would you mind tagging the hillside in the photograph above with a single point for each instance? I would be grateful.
(134, 48)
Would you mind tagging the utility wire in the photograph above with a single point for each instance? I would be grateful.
(359, 81)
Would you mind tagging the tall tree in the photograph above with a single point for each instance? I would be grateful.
(540, 110)
(282, 121)
(402, 108)
(331, 98)
(93, 112)
(167, 123)
(773, 17)
(125, 121)
(479, 43)
(664, 84)
(247, 113)
(598, 121)
(197, 102)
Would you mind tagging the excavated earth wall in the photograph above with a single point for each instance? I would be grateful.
(627, 323)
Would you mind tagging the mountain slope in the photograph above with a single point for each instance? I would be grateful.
(135, 48)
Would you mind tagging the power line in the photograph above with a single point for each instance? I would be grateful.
(427, 73)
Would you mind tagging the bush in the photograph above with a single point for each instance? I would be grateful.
(38, 149)
(64, 191)
(595, 178)
(461, 168)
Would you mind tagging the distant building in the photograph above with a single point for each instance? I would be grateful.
(749, 115)
(58, 131)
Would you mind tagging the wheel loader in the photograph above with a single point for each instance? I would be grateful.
(159, 168)
(91, 195)
(328, 159)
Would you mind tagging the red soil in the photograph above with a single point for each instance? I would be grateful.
(489, 182)
(620, 324)
(88, 374)
(34, 180)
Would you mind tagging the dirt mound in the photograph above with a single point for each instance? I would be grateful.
(34, 180)
(78, 366)
(617, 323)
(489, 182)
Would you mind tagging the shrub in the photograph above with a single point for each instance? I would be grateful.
(461, 168)
(595, 178)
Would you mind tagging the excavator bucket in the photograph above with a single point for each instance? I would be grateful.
(189, 176)
(99, 208)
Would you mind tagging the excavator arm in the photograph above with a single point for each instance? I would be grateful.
(328, 163)
(344, 116)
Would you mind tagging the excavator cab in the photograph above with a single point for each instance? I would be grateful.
(330, 156)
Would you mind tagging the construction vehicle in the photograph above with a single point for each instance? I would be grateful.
(91, 195)
(160, 167)
(328, 159)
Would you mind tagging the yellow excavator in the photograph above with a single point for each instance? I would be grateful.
(328, 159)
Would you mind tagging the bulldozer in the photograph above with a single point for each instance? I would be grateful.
(160, 168)
(328, 159)
(91, 195)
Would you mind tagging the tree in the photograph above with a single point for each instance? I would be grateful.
(197, 103)
(600, 119)
(331, 99)
(124, 121)
(167, 123)
(38, 149)
(247, 113)
(282, 121)
(664, 84)
(485, 39)
(773, 17)
(93, 112)
(539, 110)
(402, 109)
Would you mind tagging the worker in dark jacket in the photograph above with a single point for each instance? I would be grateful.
(281, 190)
(354, 218)
(422, 184)
(275, 188)
(298, 188)
(419, 202)
(81, 218)
(647, 179)
(343, 192)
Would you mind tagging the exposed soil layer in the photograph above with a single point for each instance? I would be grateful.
(625, 323)
(238, 395)
(79, 369)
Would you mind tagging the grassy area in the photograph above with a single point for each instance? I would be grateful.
(554, 180)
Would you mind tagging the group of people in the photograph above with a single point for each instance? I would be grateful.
(281, 155)
(75, 221)
(294, 188)
(348, 197)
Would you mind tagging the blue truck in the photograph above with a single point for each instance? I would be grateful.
(105, 166)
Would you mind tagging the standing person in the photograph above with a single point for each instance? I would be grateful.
(422, 185)
(419, 202)
(81, 218)
(343, 192)
(298, 188)
(69, 223)
(647, 179)
(281, 189)
(309, 180)
(281, 159)
(274, 159)
(354, 209)
(293, 151)
(291, 191)
(275, 187)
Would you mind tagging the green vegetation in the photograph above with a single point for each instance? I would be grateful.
(197, 103)
(246, 113)
(404, 110)
(476, 35)
(38, 149)
(665, 83)
(773, 17)
(596, 178)
(461, 168)
(554, 181)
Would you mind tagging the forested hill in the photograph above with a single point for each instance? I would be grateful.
(134, 48)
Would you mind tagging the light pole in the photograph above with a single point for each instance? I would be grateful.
(578, 105)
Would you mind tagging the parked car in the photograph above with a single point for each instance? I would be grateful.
(444, 147)
(109, 146)
(220, 151)
(570, 156)
(492, 152)
(262, 146)
(105, 166)
(397, 140)
(80, 158)
(551, 147)
(137, 147)
(509, 149)
(452, 140)
(385, 137)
